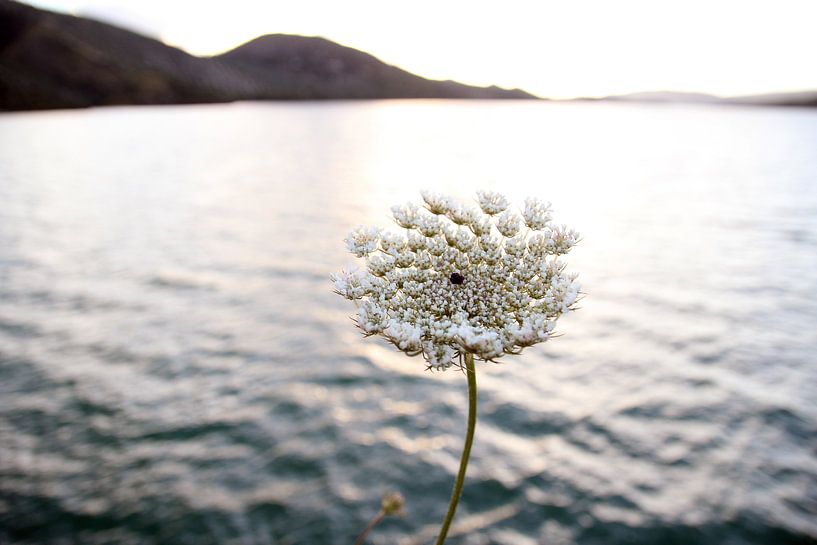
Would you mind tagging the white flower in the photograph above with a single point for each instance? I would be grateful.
(428, 225)
(352, 284)
(462, 215)
(461, 239)
(508, 223)
(416, 241)
(405, 336)
(362, 240)
(515, 246)
(457, 282)
(438, 356)
(392, 241)
(403, 259)
(480, 341)
(481, 225)
(536, 213)
(539, 244)
(405, 215)
(379, 264)
(372, 318)
(422, 260)
(436, 245)
(436, 203)
(492, 202)
(562, 239)
(532, 330)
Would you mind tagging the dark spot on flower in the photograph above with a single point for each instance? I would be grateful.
(456, 278)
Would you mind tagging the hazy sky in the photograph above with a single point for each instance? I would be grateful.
(551, 48)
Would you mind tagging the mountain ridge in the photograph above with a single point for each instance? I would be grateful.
(792, 98)
(52, 60)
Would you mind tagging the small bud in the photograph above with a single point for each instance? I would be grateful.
(393, 503)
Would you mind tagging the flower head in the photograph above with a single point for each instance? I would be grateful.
(461, 279)
(392, 504)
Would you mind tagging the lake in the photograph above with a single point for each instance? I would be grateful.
(175, 369)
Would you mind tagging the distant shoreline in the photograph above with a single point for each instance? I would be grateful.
(50, 60)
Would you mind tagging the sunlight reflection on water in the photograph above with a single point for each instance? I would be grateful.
(175, 369)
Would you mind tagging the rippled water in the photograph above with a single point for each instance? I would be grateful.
(174, 368)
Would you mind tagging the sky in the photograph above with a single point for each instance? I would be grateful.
(552, 48)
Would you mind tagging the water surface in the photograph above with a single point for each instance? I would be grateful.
(174, 368)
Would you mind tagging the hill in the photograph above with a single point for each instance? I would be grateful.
(798, 98)
(298, 67)
(51, 60)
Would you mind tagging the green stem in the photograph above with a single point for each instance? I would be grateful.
(466, 449)
(374, 522)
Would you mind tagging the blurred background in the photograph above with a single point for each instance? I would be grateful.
(174, 368)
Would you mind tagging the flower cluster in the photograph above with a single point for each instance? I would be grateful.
(462, 279)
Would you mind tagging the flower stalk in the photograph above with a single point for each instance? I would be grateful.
(466, 449)
(461, 283)
(391, 505)
(374, 522)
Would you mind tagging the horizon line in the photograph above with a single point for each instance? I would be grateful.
(556, 97)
